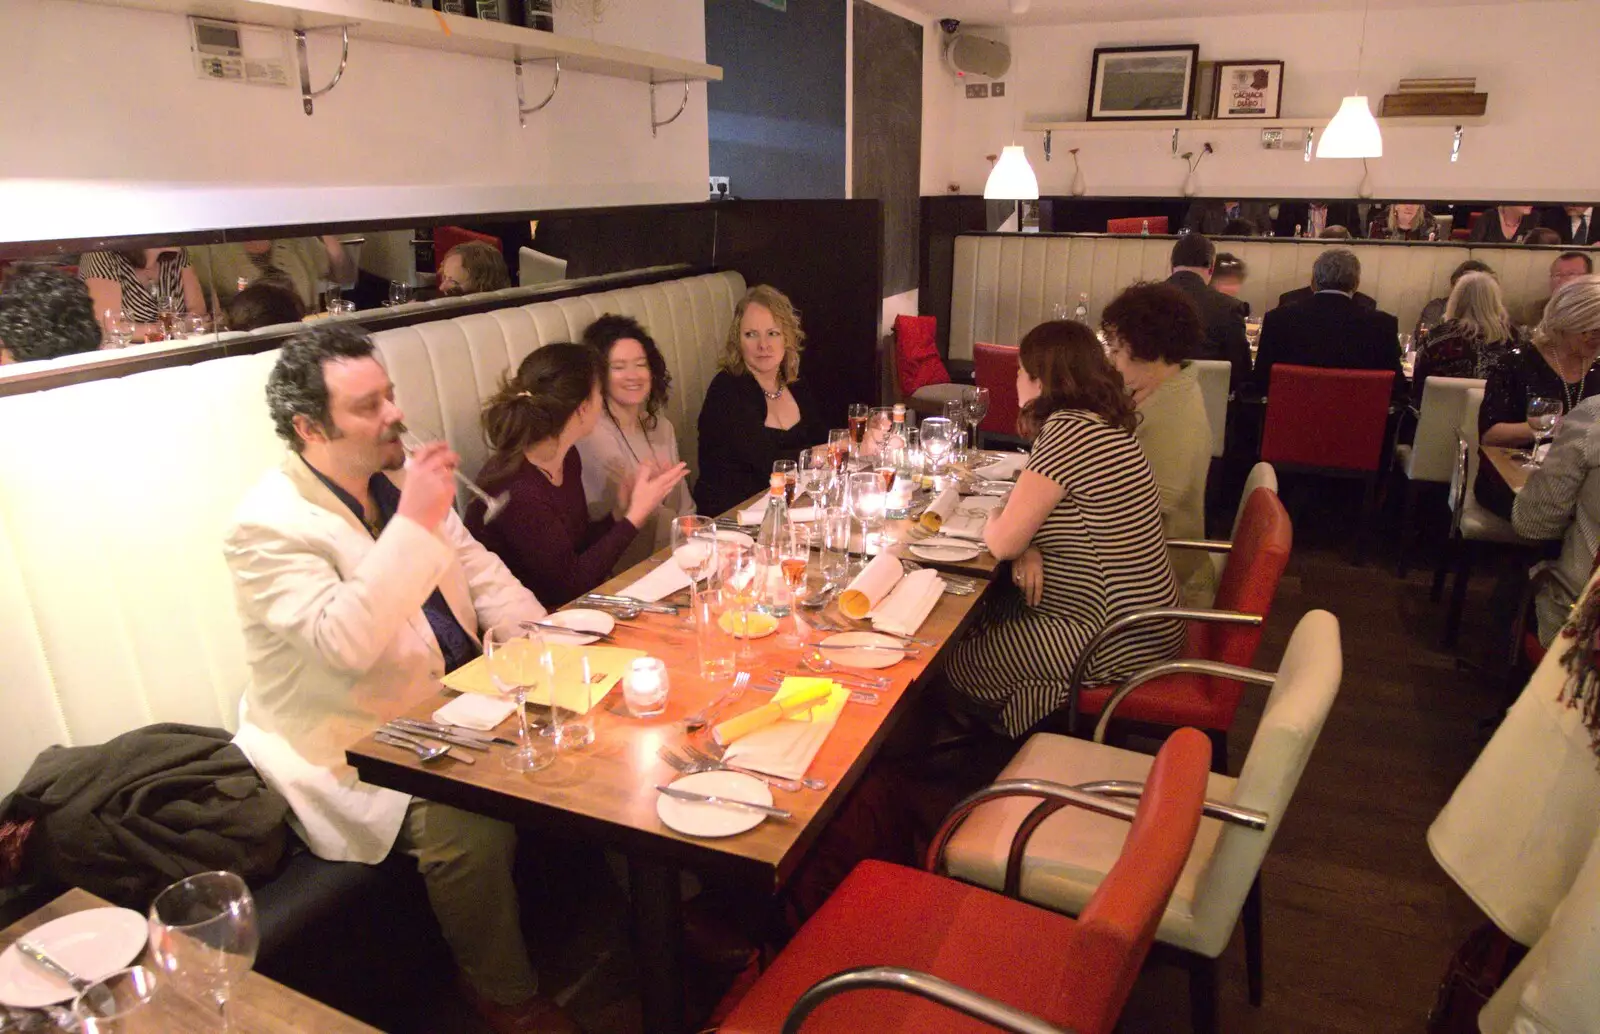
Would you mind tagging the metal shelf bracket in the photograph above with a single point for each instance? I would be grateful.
(307, 94)
(654, 125)
(523, 111)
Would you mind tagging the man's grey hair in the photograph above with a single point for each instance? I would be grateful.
(1336, 269)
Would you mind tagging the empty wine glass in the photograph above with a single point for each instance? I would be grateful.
(492, 504)
(936, 441)
(1544, 416)
(203, 936)
(866, 502)
(955, 411)
(121, 1003)
(977, 407)
(814, 471)
(517, 660)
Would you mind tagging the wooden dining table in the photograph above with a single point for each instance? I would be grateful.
(258, 1005)
(1507, 462)
(605, 793)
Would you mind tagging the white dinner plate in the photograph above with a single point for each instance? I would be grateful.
(947, 552)
(582, 620)
(864, 658)
(93, 943)
(695, 819)
(728, 535)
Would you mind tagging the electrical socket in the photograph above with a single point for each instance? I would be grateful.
(997, 89)
(719, 187)
(1272, 139)
(976, 90)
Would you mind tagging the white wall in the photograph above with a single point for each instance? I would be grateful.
(1535, 60)
(98, 93)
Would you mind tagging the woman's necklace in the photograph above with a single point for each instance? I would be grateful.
(629, 445)
(772, 396)
(1572, 394)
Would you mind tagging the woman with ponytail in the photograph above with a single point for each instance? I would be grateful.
(544, 535)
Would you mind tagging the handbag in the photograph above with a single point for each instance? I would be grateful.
(1476, 971)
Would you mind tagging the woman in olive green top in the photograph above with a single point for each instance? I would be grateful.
(1152, 330)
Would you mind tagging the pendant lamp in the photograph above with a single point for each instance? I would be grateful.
(1353, 132)
(1012, 178)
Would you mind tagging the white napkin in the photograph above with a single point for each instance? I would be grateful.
(474, 711)
(940, 509)
(908, 606)
(971, 516)
(799, 514)
(782, 749)
(1004, 469)
(875, 582)
(663, 581)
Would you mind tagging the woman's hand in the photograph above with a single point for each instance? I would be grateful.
(1027, 572)
(1511, 435)
(647, 490)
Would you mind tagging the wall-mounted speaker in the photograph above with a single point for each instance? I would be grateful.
(967, 53)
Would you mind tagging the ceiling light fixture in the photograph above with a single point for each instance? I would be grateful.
(1353, 132)
(1012, 179)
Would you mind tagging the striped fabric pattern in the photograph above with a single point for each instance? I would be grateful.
(139, 299)
(1104, 556)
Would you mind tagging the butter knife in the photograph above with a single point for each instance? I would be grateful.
(398, 726)
(47, 962)
(429, 728)
(727, 802)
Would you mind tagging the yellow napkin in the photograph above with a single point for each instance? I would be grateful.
(805, 685)
(798, 700)
(606, 666)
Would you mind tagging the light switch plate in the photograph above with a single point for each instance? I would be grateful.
(976, 90)
(997, 89)
(1272, 139)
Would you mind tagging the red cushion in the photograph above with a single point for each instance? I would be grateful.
(1532, 649)
(995, 367)
(1326, 417)
(447, 237)
(916, 354)
(1158, 224)
(986, 942)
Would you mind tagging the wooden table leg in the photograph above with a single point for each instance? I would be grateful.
(658, 944)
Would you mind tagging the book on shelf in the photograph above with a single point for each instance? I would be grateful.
(1460, 85)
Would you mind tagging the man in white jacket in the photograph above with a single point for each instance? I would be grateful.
(358, 587)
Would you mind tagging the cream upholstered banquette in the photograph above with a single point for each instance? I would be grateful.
(116, 609)
(1005, 284)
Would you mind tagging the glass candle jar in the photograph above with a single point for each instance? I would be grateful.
(644, 688)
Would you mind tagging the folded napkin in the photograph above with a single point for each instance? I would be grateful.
(786, 748)
(606, 666)
(908, 606)
(971, 516)
(869, 587)
(1006, 468)
(811, 693)
(799, 514)
(663, 581)
(939, 511)
(471, 711)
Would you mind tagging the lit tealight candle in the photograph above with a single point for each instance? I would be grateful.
(644, 689)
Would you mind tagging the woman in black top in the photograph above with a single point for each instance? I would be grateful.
(1559, 368)
(1474, 338)
(755, 410)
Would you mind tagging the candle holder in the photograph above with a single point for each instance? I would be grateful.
(644, 687)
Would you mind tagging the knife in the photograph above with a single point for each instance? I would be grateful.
(550, 626)
(727, 802)
(628, 601)
(45, 961)
(844, 678)
(438, 730)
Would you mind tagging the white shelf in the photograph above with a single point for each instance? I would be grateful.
(1210, 124)
(419, 27)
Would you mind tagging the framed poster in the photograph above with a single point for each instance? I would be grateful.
(1142, 82)
(1249, 89)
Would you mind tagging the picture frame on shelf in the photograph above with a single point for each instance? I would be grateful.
(1134, 83)
(1248, 90)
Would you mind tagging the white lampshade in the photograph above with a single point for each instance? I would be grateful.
(1353, 132)
(1012, 178)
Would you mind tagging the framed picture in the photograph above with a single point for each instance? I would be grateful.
(1142, 82)
(1249, 89)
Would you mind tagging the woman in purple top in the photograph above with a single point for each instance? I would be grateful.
(544, 535)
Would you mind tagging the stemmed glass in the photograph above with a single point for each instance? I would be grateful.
(492, 504)
(866, 502)
(936, 443)
(856, 417)
(203, 935)
(517, 660)
(839, 448)
(121, 1003)
(742, 580)
(955, 411)
(791, 479)
(794, 554)
(1544, 415)
(976, 405)
(814, 474)
(695, 550)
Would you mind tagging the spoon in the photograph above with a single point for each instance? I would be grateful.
(424, 754)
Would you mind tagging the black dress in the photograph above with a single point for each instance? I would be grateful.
(737, 449)
(1522, 375)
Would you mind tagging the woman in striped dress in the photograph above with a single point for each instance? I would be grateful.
(1083, 531)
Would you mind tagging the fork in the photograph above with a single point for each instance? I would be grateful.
(698, 720)
(701, 757)
(691, 766)
(829, 626)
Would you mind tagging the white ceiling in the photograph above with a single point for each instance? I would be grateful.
(1064, 12)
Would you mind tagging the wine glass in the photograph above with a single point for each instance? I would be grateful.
(794, 554)
(203, 936)
(492, 504)
(866, 502)
(814, 473)
(741, 585)
(856, 417)
(936, 441)
(1544, 415)
(695, 549)
(977, 407)
(791, 479)
(517, 659)
(955, 411)
(121, 1003)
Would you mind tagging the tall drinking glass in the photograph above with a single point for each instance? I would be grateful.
(977, 407)
(203, 936)
(695, 551)
(955, 411)
(1544, 415)
(570, 715)
(835, 527)
(517, 660)
(936, 442)
(839, 449)
(741, 584)
(794, 554)
(856, 417)
(866, 502)
(791, 479)
(121, 1003)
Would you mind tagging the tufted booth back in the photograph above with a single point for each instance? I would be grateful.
(116, 609)
(1006, 284)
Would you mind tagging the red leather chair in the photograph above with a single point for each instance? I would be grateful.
(995, 367)
(1330, 422)
(1168, 696)
(447, 237)
(920, 373)
(1158, 224)
(907, 950)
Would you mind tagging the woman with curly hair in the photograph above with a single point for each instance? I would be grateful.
(756, 409)
(632, 433)
(1083, 531)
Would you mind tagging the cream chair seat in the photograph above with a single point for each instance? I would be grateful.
(1431, 455)
(1071, 851)
(1213, 376)
(1262, 475)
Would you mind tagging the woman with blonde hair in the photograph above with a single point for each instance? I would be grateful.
(1474, 338)
(756, 409)
(544, 534)
(1408, 221)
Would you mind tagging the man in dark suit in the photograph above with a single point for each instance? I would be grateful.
(1193, 257)
(1329, 328)
(1313, 217)
(1575, 223)
(1212, 217)
(1300, 294)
